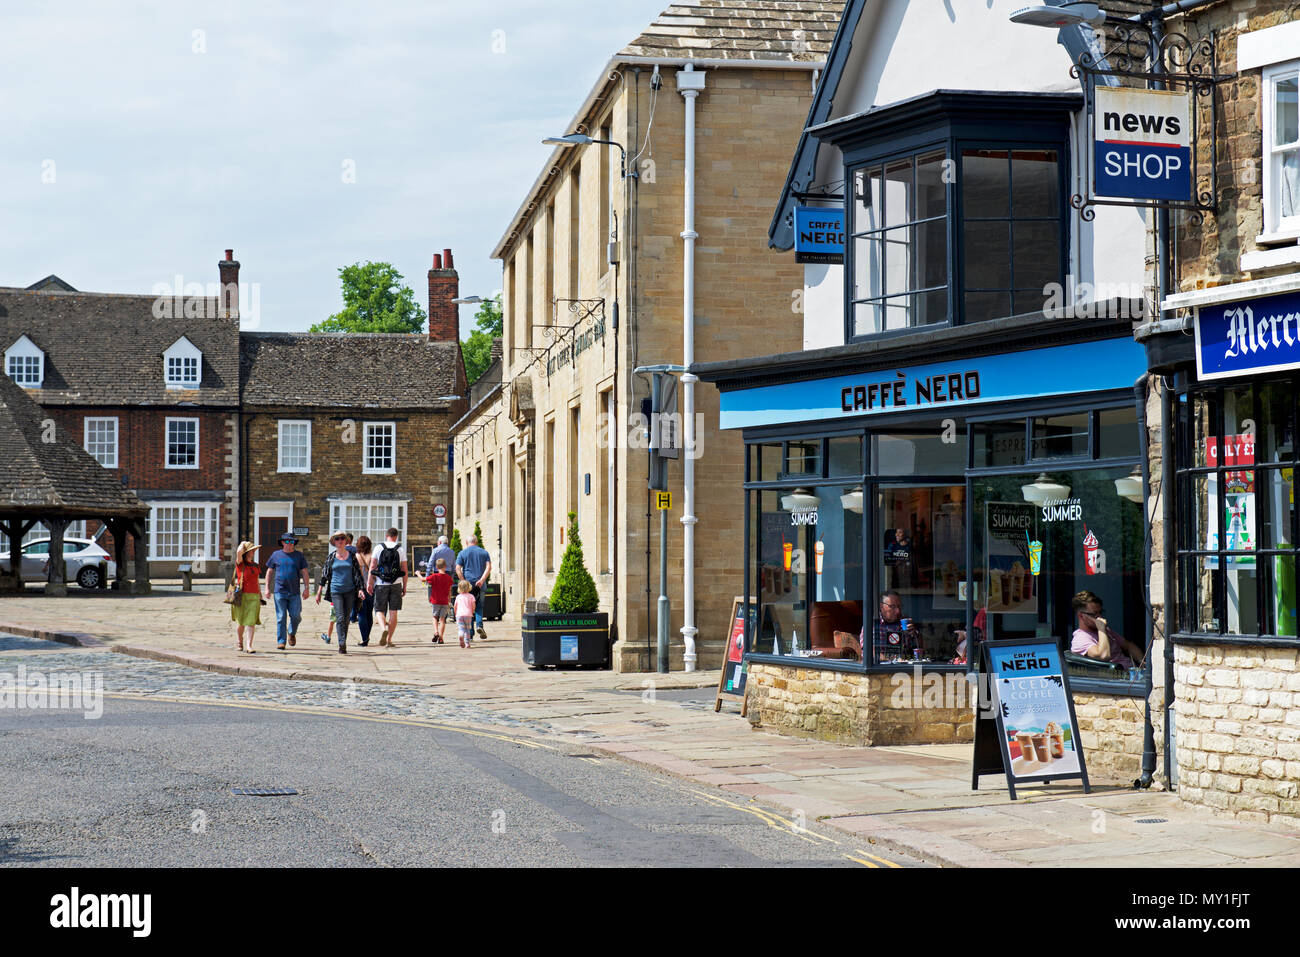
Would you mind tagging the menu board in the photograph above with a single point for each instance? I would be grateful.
(1033, 718)
(734, 672)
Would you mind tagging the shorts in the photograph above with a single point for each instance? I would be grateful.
(465, 629)
(387, 598)
(441, 612)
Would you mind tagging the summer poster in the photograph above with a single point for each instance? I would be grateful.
(1011, 588)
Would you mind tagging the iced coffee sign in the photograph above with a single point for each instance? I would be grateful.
(1010, 584)
(1038, 732)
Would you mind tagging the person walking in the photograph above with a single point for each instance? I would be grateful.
(364, 613)
(445, 552)
(474, 565)
(387, 565)
(465, 614)
(284, 570)
(341, 579)
(246, 612)
(440, 583)
(329, 632)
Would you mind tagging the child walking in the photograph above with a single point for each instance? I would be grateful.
(465, 614)
(439, 598)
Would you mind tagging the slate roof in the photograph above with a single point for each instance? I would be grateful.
(52, 478)
(106, 349)
(347, 369)
(741, 29)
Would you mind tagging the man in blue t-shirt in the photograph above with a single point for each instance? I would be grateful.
(474, 565)
(284, 569)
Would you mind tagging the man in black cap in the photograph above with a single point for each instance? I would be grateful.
(283, 571)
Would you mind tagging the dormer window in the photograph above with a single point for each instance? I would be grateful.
(25, 363)
(182, 365)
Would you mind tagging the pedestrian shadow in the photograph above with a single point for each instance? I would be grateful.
(10, 853)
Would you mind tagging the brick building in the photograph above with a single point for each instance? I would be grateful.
(350, 430)
(151, 385)
(558, 435)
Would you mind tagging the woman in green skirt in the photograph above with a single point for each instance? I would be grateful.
(246, 611)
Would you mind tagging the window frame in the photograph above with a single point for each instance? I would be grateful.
(279, 446)
(954, 124)
(167, 441)
(366, 436)
(85, 443)
(402, 507)
(1275, 226)
(25, 350)
(211, 525)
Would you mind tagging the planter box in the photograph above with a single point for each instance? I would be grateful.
(554, 640)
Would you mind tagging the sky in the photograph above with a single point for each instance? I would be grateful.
(144, 139)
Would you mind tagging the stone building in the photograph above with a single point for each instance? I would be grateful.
(1224, 356)
(351, 430)
(151, 385)
(594, 287)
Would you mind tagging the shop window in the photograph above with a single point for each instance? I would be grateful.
(1011, 230)
(938, 452)
(1088, 538)
(844, 455)
(803, 458)
(768, 460)
(1061, 436)
(921, 581)
(1117, 433)
(1238, 527)
(900, 244)
(998, 444)
(1281, 149)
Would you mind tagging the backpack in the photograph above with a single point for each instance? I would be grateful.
(390, 563)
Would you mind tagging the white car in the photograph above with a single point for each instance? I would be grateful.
(82, 559)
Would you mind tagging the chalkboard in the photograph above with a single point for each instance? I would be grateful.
(1031, 727)
(731, 683)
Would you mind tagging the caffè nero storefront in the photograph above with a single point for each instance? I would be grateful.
(907, 499)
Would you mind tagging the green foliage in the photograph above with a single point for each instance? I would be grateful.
(478, 532)
(477, 349)
(374, 300)
(575, 590)
(456, 546)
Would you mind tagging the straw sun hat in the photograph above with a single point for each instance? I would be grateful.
(243, 549)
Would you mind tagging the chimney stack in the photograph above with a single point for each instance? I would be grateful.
(444, 286)
(228, 296)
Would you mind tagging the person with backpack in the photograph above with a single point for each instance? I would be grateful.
(341, 580)
(387, 565)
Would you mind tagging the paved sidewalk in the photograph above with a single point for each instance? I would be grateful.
(912, 799)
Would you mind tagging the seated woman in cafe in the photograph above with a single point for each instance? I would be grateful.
(892, 640)
(1095, 639)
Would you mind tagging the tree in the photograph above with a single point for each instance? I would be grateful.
(575, 590)
(478, 532)
(374, 300)
(456, 546)
(477, 349)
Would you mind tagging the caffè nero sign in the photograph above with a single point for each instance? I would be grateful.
(1249, 336)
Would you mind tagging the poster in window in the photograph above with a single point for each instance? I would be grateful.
(1011, 589)
(949, 555)
(1238, 500)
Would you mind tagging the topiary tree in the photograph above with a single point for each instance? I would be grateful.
(575, 589)
(478, 532)
(456, 546)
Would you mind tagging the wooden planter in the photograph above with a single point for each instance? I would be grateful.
(554, 640)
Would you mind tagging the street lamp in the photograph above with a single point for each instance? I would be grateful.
(1066, 15)
(582, 139)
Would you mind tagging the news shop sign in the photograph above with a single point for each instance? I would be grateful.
(1142, 144)
(818, 234)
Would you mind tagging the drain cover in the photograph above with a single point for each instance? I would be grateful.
(262, 792)
(1152, 820)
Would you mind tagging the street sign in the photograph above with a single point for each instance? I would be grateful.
(440, 512)
(818, 234)
(663, 501)
(1143, 144)
(300, 531)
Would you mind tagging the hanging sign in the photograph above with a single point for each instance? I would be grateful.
(819, 234)
(1032, 728)
(1142, 143)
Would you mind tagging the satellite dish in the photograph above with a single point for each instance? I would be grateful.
(1066, 15)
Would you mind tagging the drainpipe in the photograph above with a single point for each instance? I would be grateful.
(1148, 729)
(689, 84)
(1169, 409)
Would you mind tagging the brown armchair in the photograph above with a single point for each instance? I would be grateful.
(830, 617)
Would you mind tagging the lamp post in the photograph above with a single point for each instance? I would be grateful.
(582, 139)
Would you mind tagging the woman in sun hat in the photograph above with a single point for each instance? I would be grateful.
(246, 612)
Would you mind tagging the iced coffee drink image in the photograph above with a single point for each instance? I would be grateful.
(1018, 582)
(1026, 743)
(1055, 740)
(1041, 749)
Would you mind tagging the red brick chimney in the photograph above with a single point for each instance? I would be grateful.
(228, 300)
(444, 286)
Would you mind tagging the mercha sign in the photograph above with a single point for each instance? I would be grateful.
(1250, 336)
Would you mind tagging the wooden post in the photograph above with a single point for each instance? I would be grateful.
(58, 580)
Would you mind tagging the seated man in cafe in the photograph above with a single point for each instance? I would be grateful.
(892, 640)
(1095, 639)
